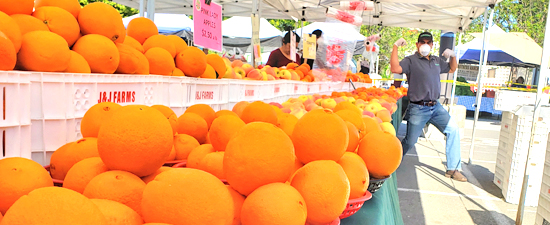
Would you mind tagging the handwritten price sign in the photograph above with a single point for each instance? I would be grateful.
(207, 20)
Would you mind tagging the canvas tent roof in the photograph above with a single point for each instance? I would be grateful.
(239, 26)
(343, 30)
(448, 15)
(167, 23)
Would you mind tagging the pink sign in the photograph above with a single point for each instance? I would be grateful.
(208, 25)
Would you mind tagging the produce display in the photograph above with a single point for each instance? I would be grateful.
(273, 158)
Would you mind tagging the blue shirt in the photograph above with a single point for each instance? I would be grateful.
(423, 76)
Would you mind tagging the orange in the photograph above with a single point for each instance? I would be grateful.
(72, 6)
(353, 117)
(28, 23)
(196, 155)
(370, 125)
(18, 177)
(160, 61)
(77, 64)
(239, 108)
(54, 205)
(192, 61)
(325, 188)
(203, 110)
(237, 63)
(382, 153)
(172, 155)
(10, 28)
(65, 157)
(8, 56)
(169, 114)
(129, 59)
(209, 73)
(103, 19)
(43, 51)
(194, 125)
(119, 186)
(223, 129)
(225, 112)
(384, 115)
(183, 145)
(357, 174)
(177, 72)
(141, 28)
(116, 213)
(297, 166)
(3, 216)
(160, 41)
(178, 42)
(151, 177)
(354, 137)
(346, 105)
(213, 164)
(238, 201)
(101, 53)
(315, 140)
(258, 154)
(291, 66)
(96, 116)
(133, 43)
(137, 139)
(83, 172)
(60, 22)
(11, 7)
(287, 122)
(156, 224)
(197, 199)
(259, 112)
(274, 204)
(217, 64)
(143, 66)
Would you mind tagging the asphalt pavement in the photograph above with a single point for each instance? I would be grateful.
(427, 197)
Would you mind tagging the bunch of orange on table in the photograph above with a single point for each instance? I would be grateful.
(358, 77)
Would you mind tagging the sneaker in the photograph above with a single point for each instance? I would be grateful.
(456, 175)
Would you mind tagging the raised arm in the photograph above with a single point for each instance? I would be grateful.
(394, 60)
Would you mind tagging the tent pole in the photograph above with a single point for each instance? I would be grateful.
(151, 9)
(482, 61)
(141, 8)
(455, 74)
(255, 20)
(544, 71)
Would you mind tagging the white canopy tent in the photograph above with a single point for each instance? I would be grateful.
(344, 30)
(448, 15)
(166, 22)
(238, 26)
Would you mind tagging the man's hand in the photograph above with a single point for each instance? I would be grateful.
(400, 42)
(448, 53)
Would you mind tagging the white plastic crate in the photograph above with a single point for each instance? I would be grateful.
(324, 87)
(300, 88)
(247, 90)
(15, 141)
(208, 91)
(175, 93)
(499, 177)
(49, 135)
(506, 100)
(15, 132)
(313, 88)
(511, 189)
(543, 209)
(68, 96)
(281, 88)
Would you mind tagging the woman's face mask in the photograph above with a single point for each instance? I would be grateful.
(425, 50)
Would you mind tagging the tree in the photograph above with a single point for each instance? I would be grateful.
(124, 11)
(527, 16)
(285, 25)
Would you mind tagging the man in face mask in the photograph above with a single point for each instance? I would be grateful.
(423, 74)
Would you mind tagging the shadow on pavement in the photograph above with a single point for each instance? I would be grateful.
(485, 179)
(485, 218)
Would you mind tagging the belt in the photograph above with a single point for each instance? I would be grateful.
(425, 102)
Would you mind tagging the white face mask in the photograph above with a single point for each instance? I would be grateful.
(424, 50)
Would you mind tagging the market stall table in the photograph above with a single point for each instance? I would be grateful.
(383, 208)
(486, 104)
